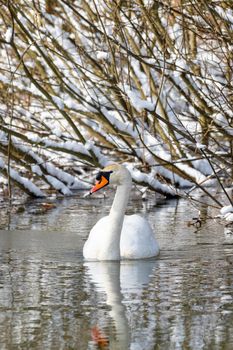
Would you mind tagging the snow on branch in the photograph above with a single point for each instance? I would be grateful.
(25, 184)
(156, 93)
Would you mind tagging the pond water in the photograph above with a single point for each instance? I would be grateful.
(50, 298)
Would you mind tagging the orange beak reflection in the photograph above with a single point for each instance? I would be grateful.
(99, 184)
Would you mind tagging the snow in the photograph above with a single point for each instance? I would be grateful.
(181, 66)
(8, 34)
(222, 122)
(33, 137)
(58, 185)
(138, 103)
(203, 166)
(57, 132)
(70, 103)
(36, 169)
(2, 164)
(102, 55)
(87, 92)
(63, 176)
(229, 217)
(58, 101)
(226, 209)
(225, 13)
(155, 147)
(3, 137)
(26, 183)
(200, 146)
(125, 127)
(227, 213)
(103, 160)
(4, 79)
(149, 179)
(64, 179)
(22, 19)
(197, 175)
(68, 145)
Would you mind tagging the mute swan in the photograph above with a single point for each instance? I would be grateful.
(119, 236)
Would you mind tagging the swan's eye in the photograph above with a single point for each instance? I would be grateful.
(105, 174)
(99, 176)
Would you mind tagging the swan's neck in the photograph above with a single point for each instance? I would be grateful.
(111, 248)
(120, 201)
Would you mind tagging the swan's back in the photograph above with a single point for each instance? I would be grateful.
(137, 239)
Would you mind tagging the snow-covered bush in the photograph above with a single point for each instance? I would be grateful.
(148, 83)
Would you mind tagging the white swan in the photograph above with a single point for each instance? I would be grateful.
(119, 236)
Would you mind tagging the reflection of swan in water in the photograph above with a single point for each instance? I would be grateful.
(117, 280)
(119, 236)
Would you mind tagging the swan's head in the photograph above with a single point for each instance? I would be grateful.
(115, 174)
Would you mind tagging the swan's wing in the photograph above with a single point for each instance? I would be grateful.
(137, 238)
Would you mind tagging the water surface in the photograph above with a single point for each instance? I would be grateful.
(50, 298)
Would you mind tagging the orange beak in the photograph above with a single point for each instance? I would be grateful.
(99, 184)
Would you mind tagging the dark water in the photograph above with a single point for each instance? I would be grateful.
(51, 299)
